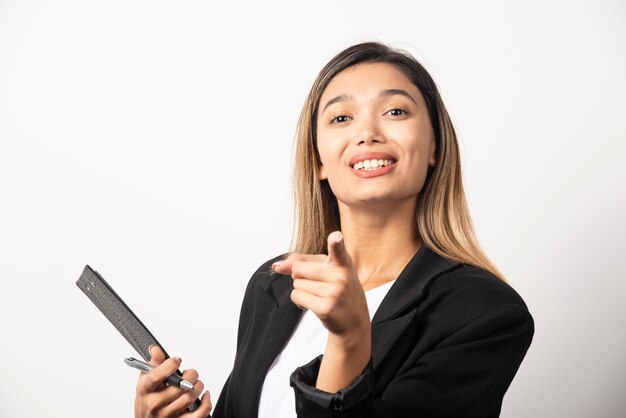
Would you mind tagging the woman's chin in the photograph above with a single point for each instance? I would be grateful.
(376, 201)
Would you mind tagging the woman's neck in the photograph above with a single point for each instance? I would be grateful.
(381, 241)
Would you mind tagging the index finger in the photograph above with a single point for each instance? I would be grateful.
(155, 378)
(284, 266)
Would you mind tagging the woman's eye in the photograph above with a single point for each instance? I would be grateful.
(345, 118)
(397, 112)
(339, 119)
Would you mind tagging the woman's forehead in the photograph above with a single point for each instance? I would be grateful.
(368, 79)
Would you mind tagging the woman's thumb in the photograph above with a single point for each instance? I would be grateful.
(337, 253)
(157, 356)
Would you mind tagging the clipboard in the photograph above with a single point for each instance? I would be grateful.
(121, 316)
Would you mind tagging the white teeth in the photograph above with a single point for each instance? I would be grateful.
(371, 164)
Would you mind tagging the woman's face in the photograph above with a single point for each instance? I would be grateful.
(374, 136)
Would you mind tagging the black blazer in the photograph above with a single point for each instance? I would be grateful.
(447, 340)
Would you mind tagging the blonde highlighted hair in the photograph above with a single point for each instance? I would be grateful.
(442, 215)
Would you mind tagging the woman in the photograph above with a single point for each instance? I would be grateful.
(387, 307)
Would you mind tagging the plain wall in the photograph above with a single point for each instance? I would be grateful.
(153, 140)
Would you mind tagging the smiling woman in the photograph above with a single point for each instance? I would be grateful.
(387, 306)
(380, 124)
(442, 216)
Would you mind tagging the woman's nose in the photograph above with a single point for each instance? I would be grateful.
(368, 131)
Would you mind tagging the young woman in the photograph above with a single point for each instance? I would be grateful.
(387, 307)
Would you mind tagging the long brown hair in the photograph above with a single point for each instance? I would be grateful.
(442, 215)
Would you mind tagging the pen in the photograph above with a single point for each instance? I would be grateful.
(174, 380)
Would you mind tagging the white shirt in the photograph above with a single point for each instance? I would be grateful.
(307, 341)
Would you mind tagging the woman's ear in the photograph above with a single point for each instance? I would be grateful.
(321, 173)
(432, 160)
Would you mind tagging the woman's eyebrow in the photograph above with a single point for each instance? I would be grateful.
(341, 98)
(389, 92)
(393, 92)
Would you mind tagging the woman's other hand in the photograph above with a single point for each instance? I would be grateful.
(330, 288)
(153, 399)
(328, 285)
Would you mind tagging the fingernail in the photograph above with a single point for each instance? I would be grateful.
(179, 360)
(277, 263)
(150, 350)
(339, 238)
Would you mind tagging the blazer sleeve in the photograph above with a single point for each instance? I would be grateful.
(465, 375)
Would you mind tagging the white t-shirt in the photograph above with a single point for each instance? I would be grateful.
(306, 343)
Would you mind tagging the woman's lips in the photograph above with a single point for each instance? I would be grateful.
(367, 173)
(372, 164)
(370, 156)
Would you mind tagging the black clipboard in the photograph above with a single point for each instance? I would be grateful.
(120, 315)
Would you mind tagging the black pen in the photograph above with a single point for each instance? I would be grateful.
(174, 380)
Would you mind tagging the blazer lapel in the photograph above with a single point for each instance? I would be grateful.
(398, 308)
(274, 320)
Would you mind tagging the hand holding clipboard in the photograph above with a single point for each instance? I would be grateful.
(137, 334)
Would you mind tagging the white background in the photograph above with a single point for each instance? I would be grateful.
(153, 140)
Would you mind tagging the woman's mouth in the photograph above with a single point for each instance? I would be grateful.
(372, 165)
